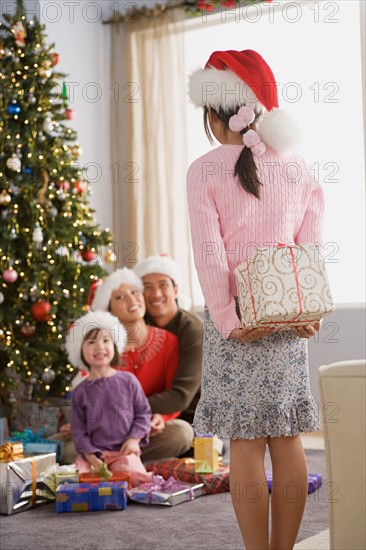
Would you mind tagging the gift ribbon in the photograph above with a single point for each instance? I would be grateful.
(281, 245)
(34, 483)
(27, 436)
(11, 451)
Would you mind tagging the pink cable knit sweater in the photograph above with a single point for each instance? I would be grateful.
(228, 223)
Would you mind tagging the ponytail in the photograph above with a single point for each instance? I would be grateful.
(245, 167)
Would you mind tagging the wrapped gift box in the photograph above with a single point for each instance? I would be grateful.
(168, 492)
(91, 497)
(314, 482)
(92, 477)
(43, 415)
(22, 484)
(206, 453)
(44, 447)
(184, 469)
(4, 430)
(283, 286)
(35, 444)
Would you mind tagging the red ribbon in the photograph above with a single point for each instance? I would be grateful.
(297, 287)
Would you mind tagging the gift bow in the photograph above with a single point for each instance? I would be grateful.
(11, 451)
(27, 436)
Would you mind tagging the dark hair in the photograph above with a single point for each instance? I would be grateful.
(245, 167)
(93, 333)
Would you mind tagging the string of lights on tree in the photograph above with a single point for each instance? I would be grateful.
(52, 249)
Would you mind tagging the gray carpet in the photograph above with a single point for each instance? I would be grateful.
(206, 523)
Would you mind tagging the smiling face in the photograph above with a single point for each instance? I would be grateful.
(160, 297)
(127, 303)
(98, 349)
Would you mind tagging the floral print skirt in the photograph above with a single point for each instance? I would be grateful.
(256, 389)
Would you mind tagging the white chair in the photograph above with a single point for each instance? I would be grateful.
(343, 397)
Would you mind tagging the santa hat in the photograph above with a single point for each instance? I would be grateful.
(93, 320)
(113, 282)
(163, 264)
(234, 79)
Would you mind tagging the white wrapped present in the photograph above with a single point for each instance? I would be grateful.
(283, 286)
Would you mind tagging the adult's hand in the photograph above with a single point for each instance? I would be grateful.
(157, 425)
(66, 431)
(306, 331)
(250, 334)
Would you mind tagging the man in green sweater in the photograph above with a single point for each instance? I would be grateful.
(161, 277)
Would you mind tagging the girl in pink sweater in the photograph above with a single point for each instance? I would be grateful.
(245, 194)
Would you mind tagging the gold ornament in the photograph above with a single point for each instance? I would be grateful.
(41, 194)
(76, 151)
(5, 198)
(110, 257)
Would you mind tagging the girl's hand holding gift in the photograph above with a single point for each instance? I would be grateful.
(306, 331)
(95, 462)
(131, 447)
(249, 334)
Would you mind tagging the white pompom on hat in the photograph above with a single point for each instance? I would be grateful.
(93, 320)
(163, 264)
(236, 78)
(119, 277)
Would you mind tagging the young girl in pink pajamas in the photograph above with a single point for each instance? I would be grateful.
(111, 416)
(248, 193)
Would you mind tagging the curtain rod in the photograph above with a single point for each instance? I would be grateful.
(137, 13)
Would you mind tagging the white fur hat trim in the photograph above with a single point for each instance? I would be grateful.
(221, 88)
(93, 320)
(112, 282)
(279, 130)
(159, 264)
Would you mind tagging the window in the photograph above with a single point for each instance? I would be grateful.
(314, 49)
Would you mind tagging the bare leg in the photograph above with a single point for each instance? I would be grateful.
(289, 491)
(249, 490)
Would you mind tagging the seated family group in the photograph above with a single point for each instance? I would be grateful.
(114, 418)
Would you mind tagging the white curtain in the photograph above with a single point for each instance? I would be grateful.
(149, 141)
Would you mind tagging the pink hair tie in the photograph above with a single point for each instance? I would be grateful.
(252, 140)
(242, 119)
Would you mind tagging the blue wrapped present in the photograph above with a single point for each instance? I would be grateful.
(35, 444)
(91, 497)
(314, 482)
(44, 447)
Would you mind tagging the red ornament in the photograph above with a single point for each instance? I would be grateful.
(56, 57)
(28, 330)
(40, 311)
(10, 275)
(64, 185)
(81, 186)
(70, 114)
(88, 255)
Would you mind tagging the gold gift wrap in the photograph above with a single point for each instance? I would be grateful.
(283, 286)
(206, 454)
(22, 485)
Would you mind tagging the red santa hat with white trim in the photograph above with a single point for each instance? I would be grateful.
(233, 79)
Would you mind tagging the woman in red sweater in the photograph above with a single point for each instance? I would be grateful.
(151, 354)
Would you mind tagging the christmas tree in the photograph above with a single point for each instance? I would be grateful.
(51, 246)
